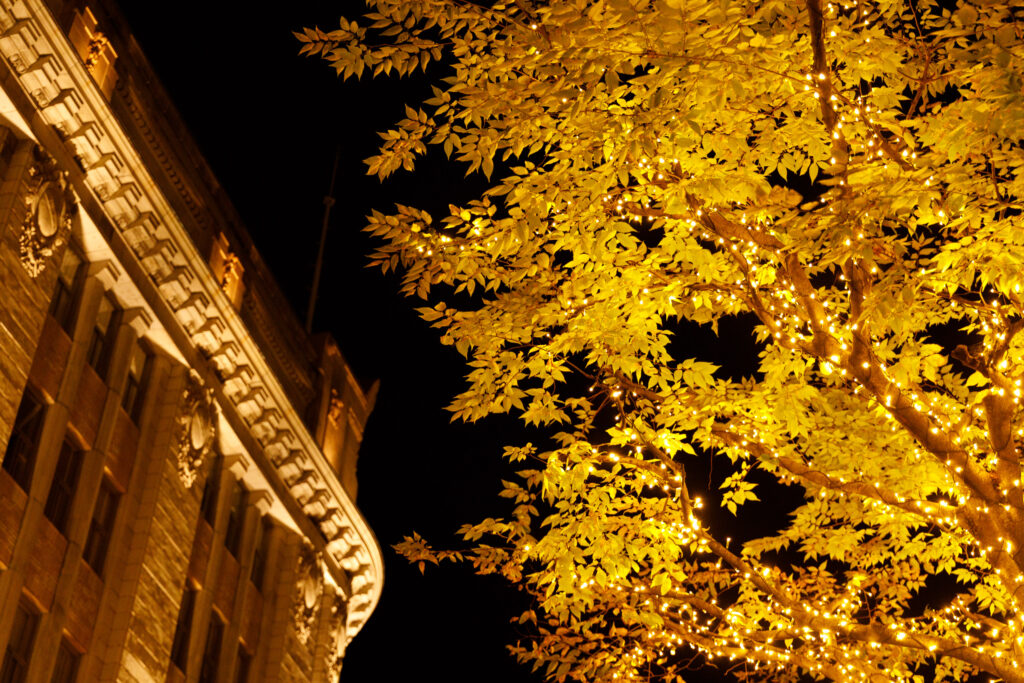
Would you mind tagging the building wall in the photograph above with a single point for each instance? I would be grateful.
(161, 458)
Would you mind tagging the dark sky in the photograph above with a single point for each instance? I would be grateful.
(268, 122)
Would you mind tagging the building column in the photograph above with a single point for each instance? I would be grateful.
(104, 661)
(279, 587)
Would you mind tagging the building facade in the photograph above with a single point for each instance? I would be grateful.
(178, 477)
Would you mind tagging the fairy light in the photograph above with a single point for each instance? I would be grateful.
(822, 323)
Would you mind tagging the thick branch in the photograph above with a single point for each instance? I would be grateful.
(923, 509)
(862, 364)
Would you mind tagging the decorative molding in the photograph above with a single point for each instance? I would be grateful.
(139, 319)
(105, 272)
(309, 591)
(235, 463)
(49, 207)
(195, 428)
(276, 344)
(263, 500)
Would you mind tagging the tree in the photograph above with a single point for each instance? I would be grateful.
(839, 182)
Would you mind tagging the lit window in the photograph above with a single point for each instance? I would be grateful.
(62, 305)
(62, 490)
(101, 527)
(20, 458)
(19, 647)
(67, 664)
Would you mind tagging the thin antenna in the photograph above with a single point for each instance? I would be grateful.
(328, 203)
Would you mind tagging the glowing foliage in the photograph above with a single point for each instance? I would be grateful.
(839, 182)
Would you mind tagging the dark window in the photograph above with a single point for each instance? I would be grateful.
(236, 515)
(67, 664)
(19, 647)
(259, 558)
(8, 146)
(242, 665)
(101, 528)
(208, 674)
(20, 458)
(131, 398)
(179, 647)
(62, 490)
(62, 305)
(99, 339)
(208, 505)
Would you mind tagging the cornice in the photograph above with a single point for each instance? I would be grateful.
(64, 96)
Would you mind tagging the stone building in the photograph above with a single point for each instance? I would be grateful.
(178, 476)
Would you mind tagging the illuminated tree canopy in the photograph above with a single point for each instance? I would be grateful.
(840, 182)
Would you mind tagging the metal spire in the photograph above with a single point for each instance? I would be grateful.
(328, 203)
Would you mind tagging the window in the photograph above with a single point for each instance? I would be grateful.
(236, 515)
(62, 305)
(67, 664)
(259, 559)
(208, 505)
(20, 458)
(19, 647)
(131, 398)
(179, 647)
(8, 145)
(242, 665)
(101, 528)
(98, 353)
(208, 674)
(62, 490)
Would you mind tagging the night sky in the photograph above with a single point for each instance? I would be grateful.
(268, 122)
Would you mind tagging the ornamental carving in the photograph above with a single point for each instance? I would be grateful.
(49, 207)
(98, 48)
(195, 428)
(335, 407)
(336, 637)
(309, 590)
(232, 272)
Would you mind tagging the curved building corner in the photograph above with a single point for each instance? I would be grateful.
(177, 488)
